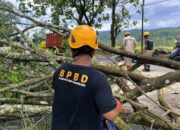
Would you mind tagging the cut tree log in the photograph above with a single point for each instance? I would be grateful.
(29, 109)
(154, 83)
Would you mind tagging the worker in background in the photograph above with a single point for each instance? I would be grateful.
(82, 94)
(43, 43)
(177, 45)
(148, 49)
(129, 45)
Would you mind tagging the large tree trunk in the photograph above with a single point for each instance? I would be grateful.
(143, 58)
(113, 38)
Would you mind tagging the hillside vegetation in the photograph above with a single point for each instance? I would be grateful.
(163, 37)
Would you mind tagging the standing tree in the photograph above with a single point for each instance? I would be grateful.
(7, 20)
(83, 12)
(120, 17)
(72, 11)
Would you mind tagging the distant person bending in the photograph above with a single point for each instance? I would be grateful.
(43, 43)
(129, 45)
(148, 48)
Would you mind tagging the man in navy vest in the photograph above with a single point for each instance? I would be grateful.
(148, 48)
(82, 94)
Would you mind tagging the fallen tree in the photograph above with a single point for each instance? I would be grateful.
(143, 58)
(146, 85)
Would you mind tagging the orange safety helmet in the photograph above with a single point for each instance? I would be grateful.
(146, 33)
(83, 35)
(126, 33)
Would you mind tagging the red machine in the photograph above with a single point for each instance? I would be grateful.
(53, 40)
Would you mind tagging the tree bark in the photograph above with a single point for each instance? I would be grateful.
(113, 39)
(154, 83)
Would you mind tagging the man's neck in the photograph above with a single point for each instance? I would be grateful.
(83, 60)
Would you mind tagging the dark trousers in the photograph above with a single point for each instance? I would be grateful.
(146, 67)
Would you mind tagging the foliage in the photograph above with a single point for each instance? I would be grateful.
(37, 6)
(39, 34)
(120, 17)
(65, 12)
(16, 72)
(83, 12)
(7, 20)
(66, 48)
(65, 44)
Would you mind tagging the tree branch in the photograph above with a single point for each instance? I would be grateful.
(33, 20)
(154, 83)
(25, 83)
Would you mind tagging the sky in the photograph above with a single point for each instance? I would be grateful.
(159, 13)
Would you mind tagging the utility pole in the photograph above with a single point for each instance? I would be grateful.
(142, 29)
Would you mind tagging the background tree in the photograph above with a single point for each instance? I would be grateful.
(69, 11)
(83, 12)
(120, 17)
(7, 20)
